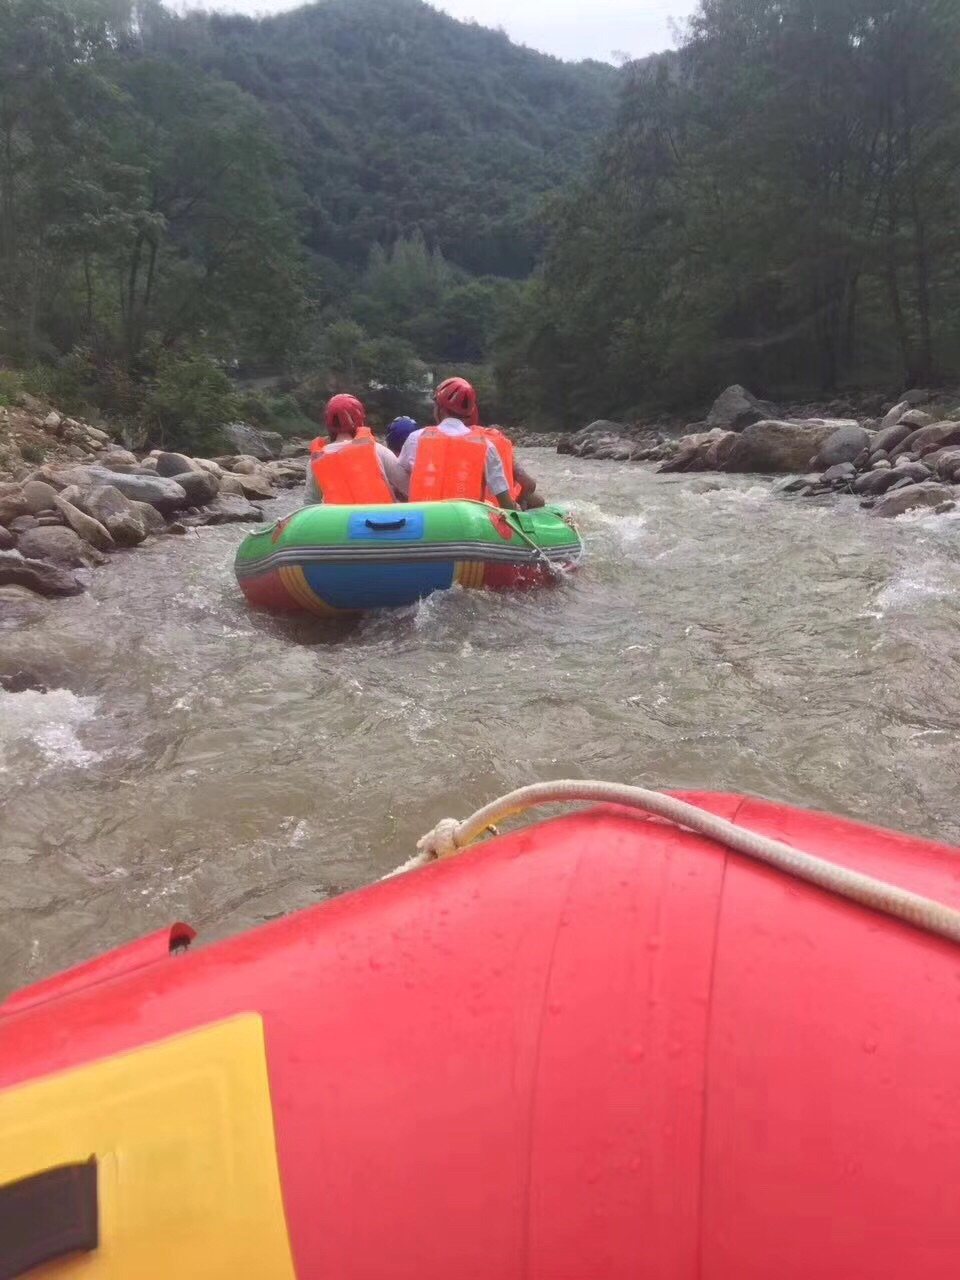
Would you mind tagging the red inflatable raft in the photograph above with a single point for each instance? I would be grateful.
(604, 1048)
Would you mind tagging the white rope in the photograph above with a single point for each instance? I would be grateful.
(449, 836)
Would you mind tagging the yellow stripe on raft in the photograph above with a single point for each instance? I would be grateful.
(182, 1132)
(468, 573)
(296, 584)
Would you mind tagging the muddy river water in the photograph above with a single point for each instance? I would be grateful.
(193, 761)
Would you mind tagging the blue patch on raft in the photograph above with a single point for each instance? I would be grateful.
(377, 586)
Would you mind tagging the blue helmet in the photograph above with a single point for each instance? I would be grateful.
(397, 433)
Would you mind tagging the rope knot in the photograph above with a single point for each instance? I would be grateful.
(442, 841)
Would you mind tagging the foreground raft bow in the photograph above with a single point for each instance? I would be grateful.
(332, 559)
(612, 1046)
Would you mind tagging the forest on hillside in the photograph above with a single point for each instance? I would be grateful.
(191, 203)
(207, 216)
(776, 205)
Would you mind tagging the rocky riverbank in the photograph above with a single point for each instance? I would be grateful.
(908, 457)
(90, 498)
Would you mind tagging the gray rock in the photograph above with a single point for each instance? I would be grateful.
(12, 503)
(150, 516)
(879, 460)
(737, 408)
(915, 471)
(118, 515)
(207, 464)
(45, 579)
(228, 510)
(120, 460)
(176, 526)
(845, 445)
(843, 471)
(876, 482)
(164, 494)
(175, 464)
(231, 485)
(7, 540)
(929, 439)
(86, 527)
(199, 486)
(52, 421)
(916, 418)
(49, 519)
(893, 416)
(251, 440)
(59, 546)
(917, 495)
(920, 395)
(773, 446)
(40, 496)
(22, 524)
(256, 487)
(20, 607)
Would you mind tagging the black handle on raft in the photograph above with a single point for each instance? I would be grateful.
(386, 525)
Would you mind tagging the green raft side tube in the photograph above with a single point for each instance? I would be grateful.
(332, 559)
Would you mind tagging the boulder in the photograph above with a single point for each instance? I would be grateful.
(7, 540)
(52, 421)
(199, 486)
(247, 466)
(150, 516)
(875, 482)
(909, 499)
(916, 472)
(845, 445)
(929, 439)
(40, 496)
(164, 494)
(16, 570)
(175, 464)
(231, 485)
(841, 471)
(919, 395)
(228, 509)
(893, 416)
(95, 433)
(251, 440)
(86, 527)
(287, 475)
(256, 487)
(60, 546)
(207, 464)
(774, 446)
(13, 503)
(22, 524)
(20, 607)
(916, 418)
(737, 408)
(118, 515)
(118, 460)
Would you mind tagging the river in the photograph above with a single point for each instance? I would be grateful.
(194, 761)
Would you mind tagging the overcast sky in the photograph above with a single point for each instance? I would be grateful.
(567, 28)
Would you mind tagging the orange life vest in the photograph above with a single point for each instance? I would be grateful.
(449, 467)
(351, 475)
(504, 447)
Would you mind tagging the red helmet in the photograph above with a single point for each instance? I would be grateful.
(345, 413)
(458, 399)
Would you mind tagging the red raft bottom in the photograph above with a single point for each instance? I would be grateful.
(600, 1049)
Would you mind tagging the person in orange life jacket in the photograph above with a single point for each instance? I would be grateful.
(523, 489)
(351, 466)
(457, 416)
